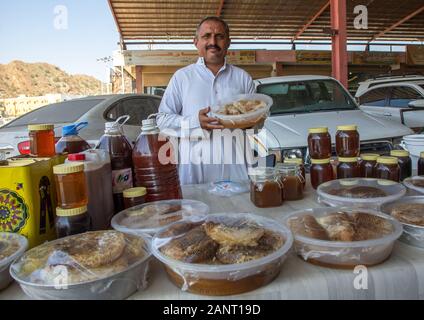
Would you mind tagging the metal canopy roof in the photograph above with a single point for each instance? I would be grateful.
(394, 20)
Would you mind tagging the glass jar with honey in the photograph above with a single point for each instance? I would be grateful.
(266, 189)
(367, 164)
(41, 140)
(348, 168)
(404, 162)
(299, 163)
(347, 141)
(72, 221)
(70, 185)
(319, 143)
(292, 181)
(134, 197)
(420, 164)
(388, 168)
(321, 171)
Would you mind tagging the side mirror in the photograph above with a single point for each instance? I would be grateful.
(416, 103)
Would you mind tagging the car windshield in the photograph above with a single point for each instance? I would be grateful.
(307, 96)
(67, 111)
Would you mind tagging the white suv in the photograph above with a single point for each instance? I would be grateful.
(399, 99)
(302, 102)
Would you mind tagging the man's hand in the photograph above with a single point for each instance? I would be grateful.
(208, 123)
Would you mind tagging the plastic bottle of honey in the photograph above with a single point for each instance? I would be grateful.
(321, 171)
(72, 221)
(319, 143)
(120, 152)
(348, 168)
(154, 167)
(41, 140)
(71, 142)
(71, 187)
(347, 141)
(388, 168)
(404, 162)
(367, 164)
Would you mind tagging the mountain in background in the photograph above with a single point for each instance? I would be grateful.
(37, 79)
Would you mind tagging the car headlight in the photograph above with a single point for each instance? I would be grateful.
(288, 153)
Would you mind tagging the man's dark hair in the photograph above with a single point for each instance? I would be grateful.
(213, 18)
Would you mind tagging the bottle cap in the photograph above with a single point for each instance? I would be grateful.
(68, 168)
(76, 157)
(387, 160)
(318, 130)
(73, 129)
(399, 153)
(350, 127)
(369, 156)
(134, 192)
(70, 212)
(40, 127)
(351, 159)
(320, 161)
(297, 161)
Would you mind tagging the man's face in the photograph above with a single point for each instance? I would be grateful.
(212, 42)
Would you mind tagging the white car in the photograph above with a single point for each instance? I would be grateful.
(399, 99)
(303, 102)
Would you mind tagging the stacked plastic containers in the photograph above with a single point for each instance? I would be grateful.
(71, 142)
(319, 144)
(154, 165)
(97, 171)
(120, 152)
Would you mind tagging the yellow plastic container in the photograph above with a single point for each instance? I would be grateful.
(28, 198)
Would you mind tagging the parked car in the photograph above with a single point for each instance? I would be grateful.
(96, 110)
(302, 102)
(399, 99)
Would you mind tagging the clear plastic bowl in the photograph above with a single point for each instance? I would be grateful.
(408, 183)
(393, 190)
(118, 284)
(18, 250)
(225, 279)
(246, 120)
(342, 254)
(132, 222)
(412, 234)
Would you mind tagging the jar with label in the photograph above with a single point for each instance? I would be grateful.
(134, 197)
(348, 168)
(420, 164)
(367, 164)
(71, 187)
(299, 163)
(321, 171)
(72, 221)
(347, 141)
(319, 143)
(266, 189)
(404, 162)
(41, 140)
(388, 168)
(292, 181)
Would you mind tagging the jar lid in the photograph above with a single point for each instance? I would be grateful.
(70, 212)
(399, 153)
(76, 157)
(351, 159)
(68, 168)
(40, 127)
(318, 130)
(262, 172)
(369, 156)
(287, 168)
(297, 161)
(320, 161)
(134, 192)
(387, 160)
(350, 127)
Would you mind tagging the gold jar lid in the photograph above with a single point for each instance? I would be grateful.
(40, 127)
(350, 159)
(68, 168)
(320, 161)
(369, 156)
(135, 192)
(70, 212)
(387, 160)
(350, 127)
(399, 153)
(297, 161)
(318, 130)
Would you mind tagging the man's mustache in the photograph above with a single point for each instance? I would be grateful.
(213, 46)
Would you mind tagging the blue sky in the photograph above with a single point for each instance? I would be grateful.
(28, 32)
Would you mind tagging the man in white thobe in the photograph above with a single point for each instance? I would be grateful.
(187, 102)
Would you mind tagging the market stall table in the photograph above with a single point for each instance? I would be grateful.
(400, 277)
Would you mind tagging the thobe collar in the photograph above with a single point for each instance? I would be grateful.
(201, 62)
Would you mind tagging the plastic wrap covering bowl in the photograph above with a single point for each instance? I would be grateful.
(413, 234)
(12, 246)
(150, 217)
(359, 192)
(245, 119)
(321, 237)
(415, 184)
(93, 265)
(228, 253)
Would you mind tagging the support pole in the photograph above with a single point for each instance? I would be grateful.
(339, 58)
(139, 85)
